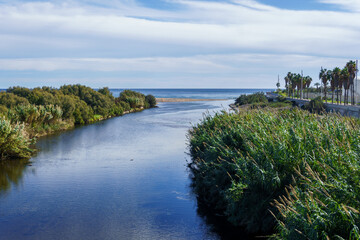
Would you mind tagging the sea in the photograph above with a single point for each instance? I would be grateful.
(202, 93)
(194, 93)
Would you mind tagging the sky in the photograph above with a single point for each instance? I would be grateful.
(173, 43)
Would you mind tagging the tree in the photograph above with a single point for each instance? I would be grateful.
(324, 79)
(329, 76)
(345, 81)
(317, 86)
(307, 81)
(336, 78)
(287, 83)
(351, 66)
(151, 100)
(297, 80)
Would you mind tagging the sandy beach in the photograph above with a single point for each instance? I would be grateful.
(186, 99)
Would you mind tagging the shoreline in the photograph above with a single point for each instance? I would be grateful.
(159, 100)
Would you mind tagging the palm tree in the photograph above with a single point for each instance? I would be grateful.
(317, 86)
(345, 81)
(289, 80)
(336, 78)
(293, 83)
(329, 75)
(307, 82)
(351, 66)
(324, 79)
(287, 83)
(298, 79)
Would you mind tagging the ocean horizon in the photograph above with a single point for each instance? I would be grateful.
(196, 93)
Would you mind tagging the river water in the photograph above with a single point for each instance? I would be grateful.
(123, 178)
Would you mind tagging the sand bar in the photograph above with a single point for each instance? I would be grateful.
(186, 99)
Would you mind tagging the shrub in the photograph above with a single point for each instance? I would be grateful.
(106, 91)
(316, 105)
(3, 110)
(151, 100)
(10, 100)
(134, 99)
(99, 102)
(252, 98)
(302, 167)
(13, 142)
(32, 114)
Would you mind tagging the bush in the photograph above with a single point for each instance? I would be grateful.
(99, 102)
(301, 167)
(3, 111)
(252, 98)
(10, 100)
(316, 105)
(32, 114)
(134, 99)
(13, 142)
(151, 100)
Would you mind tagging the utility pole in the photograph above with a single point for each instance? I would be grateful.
(356, 82)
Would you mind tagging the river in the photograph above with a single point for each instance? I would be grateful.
(123, 178)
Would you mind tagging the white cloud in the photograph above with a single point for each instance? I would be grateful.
(239, 69)
(351, 5)
(210, 37)
(158, 64)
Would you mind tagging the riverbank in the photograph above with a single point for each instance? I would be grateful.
(289, 158)
(27, 114)
(186, 100)
(117, 179)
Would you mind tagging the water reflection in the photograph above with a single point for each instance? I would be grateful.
(11, 174)
(123, 178)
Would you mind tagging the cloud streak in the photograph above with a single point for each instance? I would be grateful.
(350, 5)
(196, 37)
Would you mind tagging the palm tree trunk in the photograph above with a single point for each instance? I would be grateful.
(344, 96)
(340, 97)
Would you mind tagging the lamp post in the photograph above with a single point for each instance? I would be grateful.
(356, 82)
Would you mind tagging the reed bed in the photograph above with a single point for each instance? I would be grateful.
(288, 173)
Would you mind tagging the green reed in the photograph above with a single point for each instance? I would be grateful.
(280, 171)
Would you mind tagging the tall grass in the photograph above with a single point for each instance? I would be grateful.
(297, 166)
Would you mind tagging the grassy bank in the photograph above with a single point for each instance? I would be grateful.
(287, 173)
(26, 114)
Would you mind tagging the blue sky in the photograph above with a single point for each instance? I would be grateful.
(173, 43)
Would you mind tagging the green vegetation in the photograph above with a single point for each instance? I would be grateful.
(336, 81)
(151, 100)
(289, 173)
(259, 100)
(252, 98)
(297, 82)
(28, 113)
(13, 141)
(316, 105)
